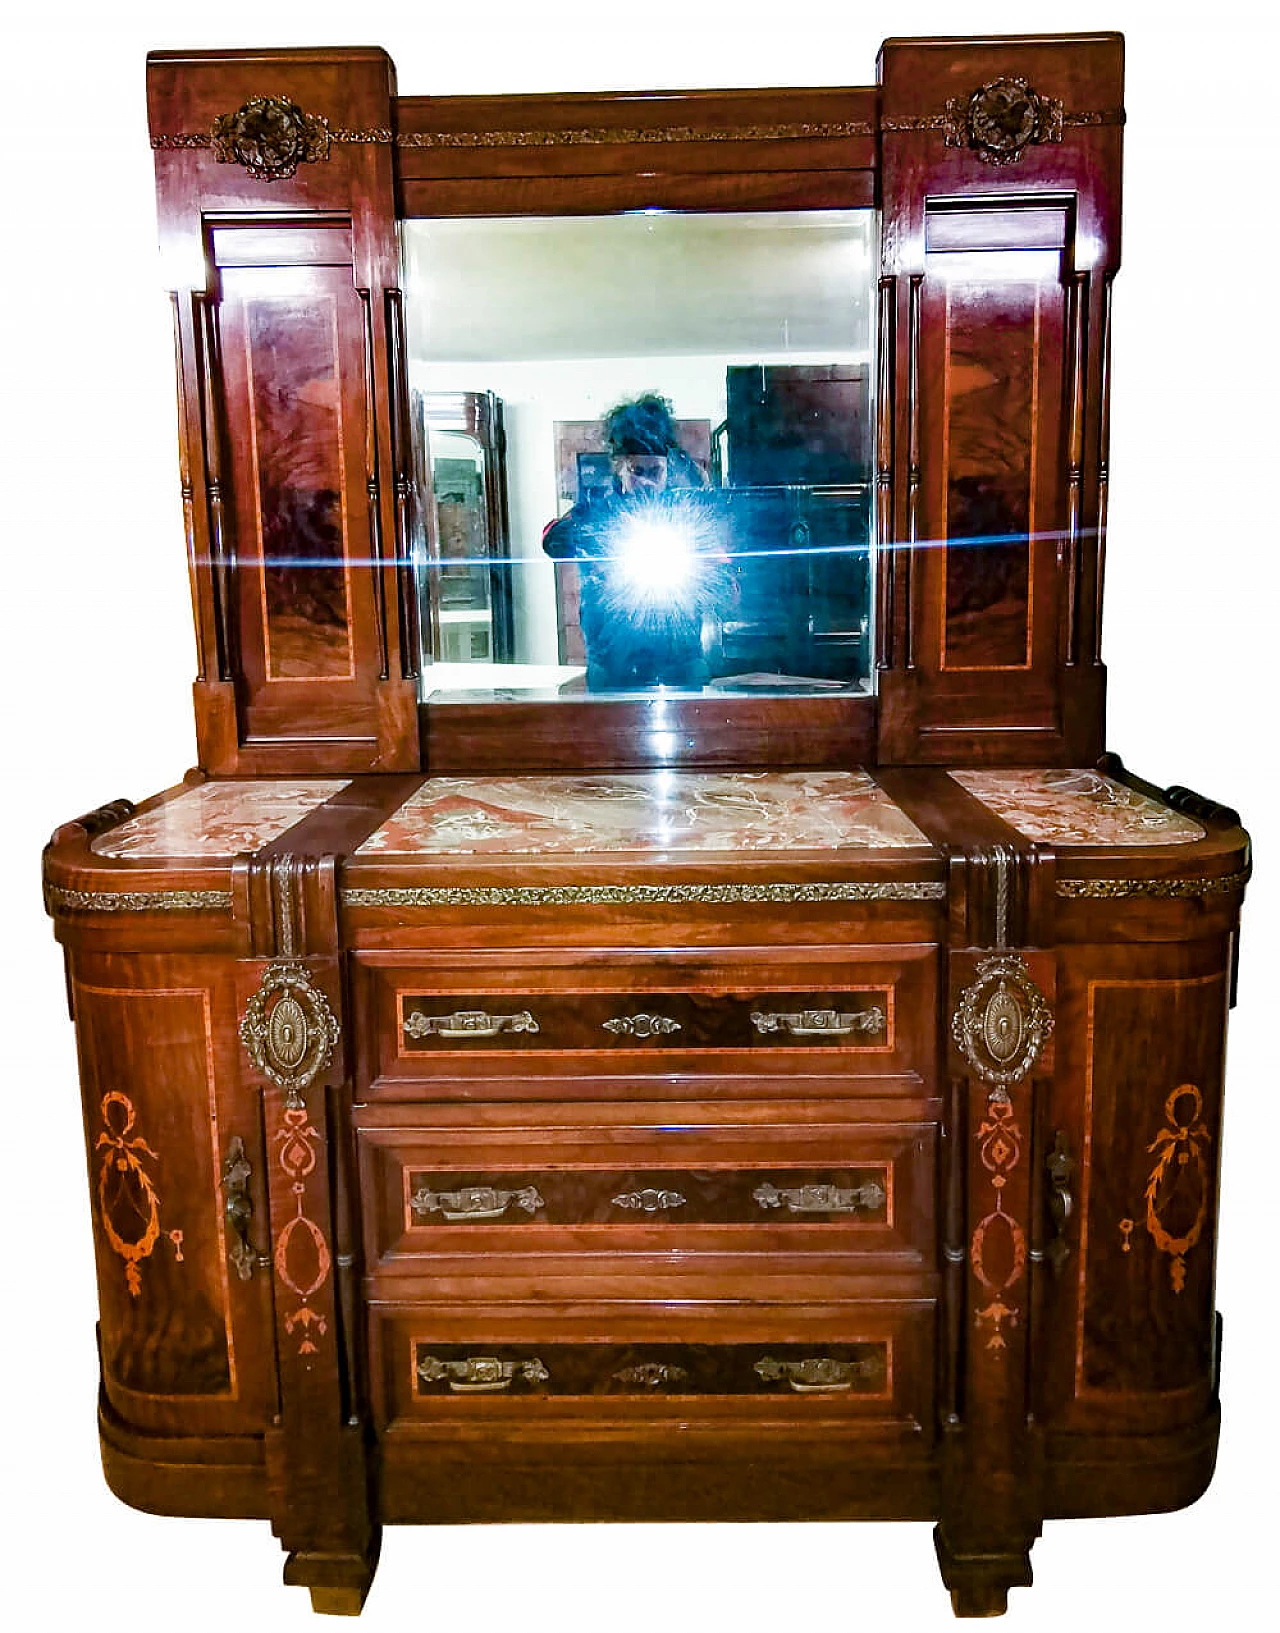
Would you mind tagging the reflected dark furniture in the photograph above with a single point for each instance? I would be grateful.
(365, 1315)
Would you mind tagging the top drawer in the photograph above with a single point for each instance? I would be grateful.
(831, 1013)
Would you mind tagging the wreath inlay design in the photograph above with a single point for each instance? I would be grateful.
(1182, 1148)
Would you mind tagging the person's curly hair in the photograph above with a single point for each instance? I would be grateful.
(641, 425)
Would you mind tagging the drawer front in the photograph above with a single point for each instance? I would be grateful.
(445, 1368)
(845, 1013)
(657, 1178)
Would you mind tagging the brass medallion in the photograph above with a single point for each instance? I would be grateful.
(289, 1030)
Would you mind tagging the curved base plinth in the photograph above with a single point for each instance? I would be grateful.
(979, 1583)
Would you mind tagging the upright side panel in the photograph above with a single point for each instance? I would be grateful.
(1000, 178)
(275, 181)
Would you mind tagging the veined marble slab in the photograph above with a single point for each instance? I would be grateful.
(216, 819)
(646, 811)
(1078, 808)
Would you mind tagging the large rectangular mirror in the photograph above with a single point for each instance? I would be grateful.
(644, 451)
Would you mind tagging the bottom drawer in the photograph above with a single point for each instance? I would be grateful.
(449, 1371)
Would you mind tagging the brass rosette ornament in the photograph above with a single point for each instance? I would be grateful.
(289, 1030)
(1002, 1022)
(1001, 119)
(270, 136)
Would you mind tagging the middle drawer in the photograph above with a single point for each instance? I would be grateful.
(838, 1176)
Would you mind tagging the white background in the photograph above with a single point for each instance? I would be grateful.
(97, 704)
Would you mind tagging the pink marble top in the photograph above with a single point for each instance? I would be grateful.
(1078, 808)
(646, 811)
(217, 819)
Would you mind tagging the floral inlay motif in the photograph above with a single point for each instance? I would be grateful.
(1179, 1178)
(998, 1250)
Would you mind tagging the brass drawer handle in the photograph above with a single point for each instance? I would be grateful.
(475, 1202)
(467, 1023)
(649, 1200)
(641, 1026)
(816, 1372)
(821, 1023)
(651, 1374)
(822, 1198)
(481, 1374)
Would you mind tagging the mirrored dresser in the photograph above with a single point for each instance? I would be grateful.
(655, 1003)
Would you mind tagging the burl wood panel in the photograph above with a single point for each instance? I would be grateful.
(185, 1343)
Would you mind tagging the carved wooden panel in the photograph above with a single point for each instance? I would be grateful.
(180, 1328)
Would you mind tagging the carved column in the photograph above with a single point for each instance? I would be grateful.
(1001, 1024)
(292, 1033)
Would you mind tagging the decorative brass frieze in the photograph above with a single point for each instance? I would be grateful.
(826, 1023)
(475, 1202)
(641, 1026)
(289, 1030)
(604, 135)
(818, 1372)
(1182, 1147)
(638, 895)
(649, 1200)
(481, 1374)
(467, 1023)
(1001, 1022)
(822, 1198)
(1110, 890)
(136, 901)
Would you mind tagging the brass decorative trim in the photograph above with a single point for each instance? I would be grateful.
(649, 1200)
(1001, 1022)
(475, 1202)
(821, 1023)
(822, 1198)
(136, 901)
(1084, 120)
(1110, 890)
(817, 1372)
(638, 895)
(289, 1030)
(641, 1026)
(615, 135)
(650, 1374)
(467, 1023)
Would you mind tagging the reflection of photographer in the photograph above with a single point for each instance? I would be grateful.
(646, 551)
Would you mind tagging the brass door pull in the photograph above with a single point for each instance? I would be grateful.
(821, 1023)
(1060, 1166)
(238, 1209)
(467, 1023)
(649, 1200)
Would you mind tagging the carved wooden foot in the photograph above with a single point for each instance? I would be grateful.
(338, 1583)
(979, 1583)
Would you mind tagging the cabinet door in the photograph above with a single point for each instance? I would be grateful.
(185, 1338)
(1138, 1098)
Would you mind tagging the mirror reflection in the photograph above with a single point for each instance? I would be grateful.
(644, 450)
